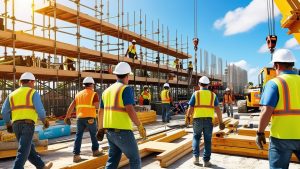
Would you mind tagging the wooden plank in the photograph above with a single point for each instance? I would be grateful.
(13, 153)
(173, 136)
(222, 133)
(251, 132)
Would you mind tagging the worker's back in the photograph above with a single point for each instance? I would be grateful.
(204, 103)
(286, 116)
(115, 115)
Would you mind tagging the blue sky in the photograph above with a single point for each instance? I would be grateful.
(232, 30)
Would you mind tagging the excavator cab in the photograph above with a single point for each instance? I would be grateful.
(253, 94)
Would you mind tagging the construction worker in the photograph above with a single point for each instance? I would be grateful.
(228, 100)
(190, 67)
(166, 101)
(21, 110)
(203, 104)
(131, 51)
(116, 115)
(280, 102)
(146, 96)
(86, 102)
(176, 63)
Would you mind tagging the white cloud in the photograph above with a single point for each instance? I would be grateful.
(291, 44)
(243, 19)
(252, 71)
(263, 49)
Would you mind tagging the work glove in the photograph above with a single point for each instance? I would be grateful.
(142, 131)
(9, 128)
(67, 121)
(187, 120)
(221, 126)
(260, 140)
(100, 134)
(46, 124)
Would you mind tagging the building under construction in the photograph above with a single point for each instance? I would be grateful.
(67, 41)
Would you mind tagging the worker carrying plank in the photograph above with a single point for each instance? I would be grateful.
(86, 102)
(203, 105)
(22, 108)
(228, 100)
(145, 96)
(116, 115)
(166, 102)
(131, 51)
(280, 102)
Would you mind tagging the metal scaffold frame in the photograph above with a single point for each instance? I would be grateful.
(59, 85)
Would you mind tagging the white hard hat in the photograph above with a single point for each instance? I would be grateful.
(204, 80)
(283, 55)
(145, 86)
(27, 76)
(122, 68)
(133, 41)
(166, 85)
(88, 80)
(227, 89)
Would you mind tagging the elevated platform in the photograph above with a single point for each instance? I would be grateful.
(70, 15)
(6, 71)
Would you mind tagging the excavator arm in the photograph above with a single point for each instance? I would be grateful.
(290, 10)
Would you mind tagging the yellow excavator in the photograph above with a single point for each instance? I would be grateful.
(252, 94)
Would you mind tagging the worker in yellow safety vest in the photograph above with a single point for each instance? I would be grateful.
(176, 63)
(280, 102)
(190, 67)
(86, 102)
(21, 110)
(166, 101)
(116, 115)
(145, 96)
(202, 107)
(131, 51)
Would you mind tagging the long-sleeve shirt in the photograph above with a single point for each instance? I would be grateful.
(37, 103)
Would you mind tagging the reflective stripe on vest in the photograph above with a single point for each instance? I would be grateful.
(286, 116)
(23, 109)
(115, 115)
(204, 104)
(84, 104)
(165, 97)
(131, 49)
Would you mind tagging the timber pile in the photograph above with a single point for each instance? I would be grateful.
(252, 132)
(161, 143)
(233, 124)
(240, 145)
(147, 116)
(6, 137)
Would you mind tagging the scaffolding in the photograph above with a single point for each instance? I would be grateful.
(60, 65)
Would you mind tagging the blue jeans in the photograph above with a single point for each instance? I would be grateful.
(280, 152)
(202, 125)
(82, 124)
(165, 112)
(24, 133)
(122, 141)
(229, 109)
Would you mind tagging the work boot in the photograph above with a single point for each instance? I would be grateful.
(207, 164)
(48, 165)
(76, 158)
(196, 160)
(97, 153)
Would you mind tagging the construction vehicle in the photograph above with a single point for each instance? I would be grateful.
(252, 94)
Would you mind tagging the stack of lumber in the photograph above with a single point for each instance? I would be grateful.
(171, 146)
(5, 136)
(147, 116)
(251, 132)
(240, 145)
(233, 124)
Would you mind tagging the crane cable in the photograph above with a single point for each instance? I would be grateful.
(271, 38)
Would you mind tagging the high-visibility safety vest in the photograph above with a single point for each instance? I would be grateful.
(227, 98)
(115, 115)
(204, 104)
(190, 66)
(21, 104)
(165, 96)
(132, 49)
(84, 104)
(286, 116)
(146, 95)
